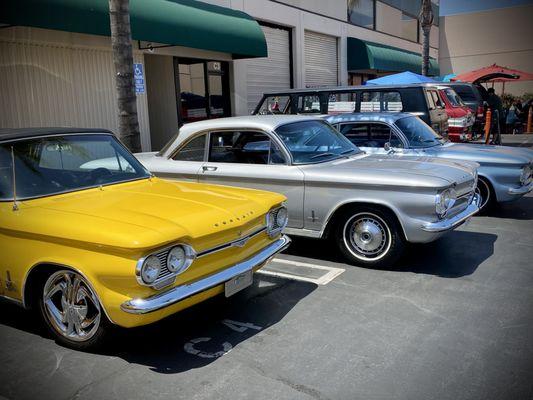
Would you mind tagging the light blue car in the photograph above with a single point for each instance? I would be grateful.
(505, 173)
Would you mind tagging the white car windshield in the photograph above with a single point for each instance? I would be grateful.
(58, 164)
(314, 141)
(418, 133)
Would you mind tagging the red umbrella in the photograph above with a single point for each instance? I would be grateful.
(494, 73)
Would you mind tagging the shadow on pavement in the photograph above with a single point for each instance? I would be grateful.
(457, 254)
(521, 209)
(207, 330)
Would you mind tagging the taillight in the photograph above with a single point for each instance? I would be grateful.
(480, 111)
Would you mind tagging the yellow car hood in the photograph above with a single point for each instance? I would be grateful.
(141, 214)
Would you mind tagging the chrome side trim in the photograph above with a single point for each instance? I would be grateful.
(179, 293)
(303, 232)
(453, 222)
(521, 190)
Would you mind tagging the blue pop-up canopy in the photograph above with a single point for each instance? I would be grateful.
(402, 77)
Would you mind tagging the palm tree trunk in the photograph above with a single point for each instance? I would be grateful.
(426, 19)
(128, 123)
(425, 51)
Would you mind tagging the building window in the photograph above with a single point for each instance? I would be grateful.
(409, 27)
(361, 12)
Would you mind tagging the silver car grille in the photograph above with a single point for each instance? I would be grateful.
(465, 191)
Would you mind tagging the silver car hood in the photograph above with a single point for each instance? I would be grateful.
(484, 154)
(392, 170)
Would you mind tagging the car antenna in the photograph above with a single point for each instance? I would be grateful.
(15, 205)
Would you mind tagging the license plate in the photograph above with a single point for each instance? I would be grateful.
(239, 282)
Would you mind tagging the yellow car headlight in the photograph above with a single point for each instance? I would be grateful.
(276, 220)
(150, 269)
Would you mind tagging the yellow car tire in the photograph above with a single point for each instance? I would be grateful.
(71, 310)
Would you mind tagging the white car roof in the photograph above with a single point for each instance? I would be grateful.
(259, 122)
(263, 122)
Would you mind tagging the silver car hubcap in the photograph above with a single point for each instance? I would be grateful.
(71, 306)
(367, 236)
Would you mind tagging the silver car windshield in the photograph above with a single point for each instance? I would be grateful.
(314, 141)
(59, 164)
(418, 133)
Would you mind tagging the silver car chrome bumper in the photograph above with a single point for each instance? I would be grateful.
(179, 293)
(521, 190)
(456, 220)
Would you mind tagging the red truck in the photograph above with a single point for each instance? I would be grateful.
(460, 117)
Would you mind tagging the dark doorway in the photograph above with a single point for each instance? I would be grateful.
(202, 89)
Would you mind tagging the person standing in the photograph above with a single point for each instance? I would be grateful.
(495, 104)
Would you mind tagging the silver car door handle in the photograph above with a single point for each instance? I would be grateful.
(209, 168)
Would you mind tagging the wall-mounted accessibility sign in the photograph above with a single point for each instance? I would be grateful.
(138, 76)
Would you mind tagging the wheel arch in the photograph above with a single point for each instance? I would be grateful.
(43, 269)
(343, 207)
(489, 181)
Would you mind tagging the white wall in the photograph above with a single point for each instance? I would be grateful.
(503, 36)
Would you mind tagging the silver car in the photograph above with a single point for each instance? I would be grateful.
(369, 205)
(504, 172)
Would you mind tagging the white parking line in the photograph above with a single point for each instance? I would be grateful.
(324, 279)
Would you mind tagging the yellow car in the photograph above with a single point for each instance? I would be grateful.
(90, 238)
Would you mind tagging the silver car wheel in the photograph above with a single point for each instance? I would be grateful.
(71, 306)
(367, 236)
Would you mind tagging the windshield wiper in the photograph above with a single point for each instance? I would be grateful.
(322, 155)
(348, 151)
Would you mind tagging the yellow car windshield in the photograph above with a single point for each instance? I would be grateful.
(58, 164)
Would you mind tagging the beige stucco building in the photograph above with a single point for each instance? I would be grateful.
(501, 36)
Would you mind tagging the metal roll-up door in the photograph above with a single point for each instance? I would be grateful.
(60, 84)
(321, 60)
(271, 73)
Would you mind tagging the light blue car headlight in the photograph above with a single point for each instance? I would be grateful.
(444, 201)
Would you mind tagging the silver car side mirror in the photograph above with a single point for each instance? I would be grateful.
(388, 148)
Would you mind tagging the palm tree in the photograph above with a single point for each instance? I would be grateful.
(426, 20)
(128, 123)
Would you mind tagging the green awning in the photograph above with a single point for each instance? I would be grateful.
(368, 55)
(185, 23)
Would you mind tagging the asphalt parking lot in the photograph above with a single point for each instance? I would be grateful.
(453, 320)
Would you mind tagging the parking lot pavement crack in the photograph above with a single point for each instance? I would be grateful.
(313, 393)
(82, 389)
(420, 308)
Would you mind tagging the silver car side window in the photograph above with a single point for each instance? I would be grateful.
(370, 135)
(243, 147)
(192, 151)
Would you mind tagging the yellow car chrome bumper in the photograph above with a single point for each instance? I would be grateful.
(182, 292)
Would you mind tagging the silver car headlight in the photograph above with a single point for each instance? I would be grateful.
(150, 269)
(525, 177)
(276, 220)
(444, 201)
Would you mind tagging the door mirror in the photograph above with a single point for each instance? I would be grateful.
(388, 148)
